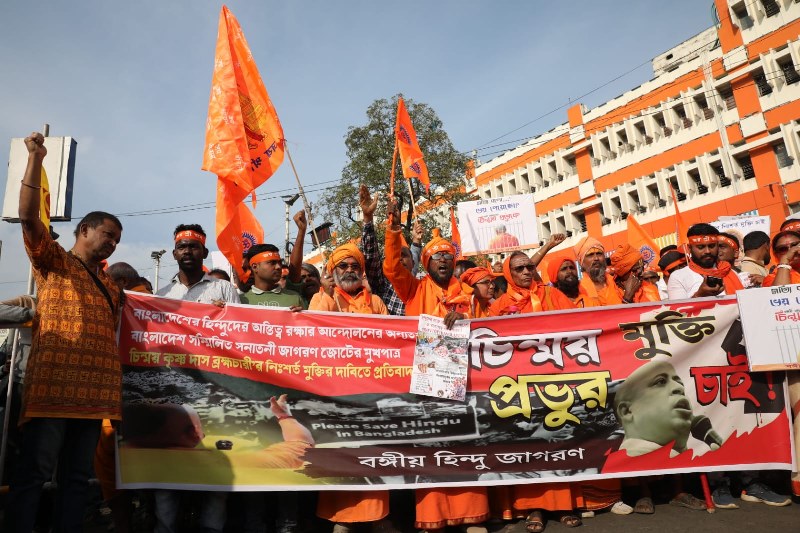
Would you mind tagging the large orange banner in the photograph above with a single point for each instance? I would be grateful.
(573, 395)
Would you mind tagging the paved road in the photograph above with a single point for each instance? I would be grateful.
(749, 518)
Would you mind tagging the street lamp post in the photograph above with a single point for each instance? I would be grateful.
(156, 256)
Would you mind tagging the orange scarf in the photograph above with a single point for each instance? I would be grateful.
(360, 303)
(453, 298)
(520, 296)
(724, 271)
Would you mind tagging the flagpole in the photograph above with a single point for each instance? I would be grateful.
(306, 204)
(394, 165)
(411, 194)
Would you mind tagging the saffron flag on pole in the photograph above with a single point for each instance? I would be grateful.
(251, 231)
(44, 199)
(455, 235)
(410, 154)
(640, 240)
(244, 138)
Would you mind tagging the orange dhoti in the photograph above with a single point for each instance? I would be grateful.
(453, 506)
(546, 496)
(599, 494)
(353, 506)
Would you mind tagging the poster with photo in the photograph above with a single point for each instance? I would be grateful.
(496, 225)
(440, 359)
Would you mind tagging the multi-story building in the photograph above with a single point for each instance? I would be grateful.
(719, 123)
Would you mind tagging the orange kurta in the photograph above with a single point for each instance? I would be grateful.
(769, 280)
(420, 295)
(551, 299)
(545, 496)
(435, 508)
(353, 506)
(453, 506)
(74, 368)
(360, 505)
(594, 297)
(323, 302)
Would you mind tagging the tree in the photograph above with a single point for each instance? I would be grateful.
(369, 151)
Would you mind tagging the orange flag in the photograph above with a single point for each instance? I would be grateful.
(681, 228)
(640, 240)
(455, 235)
(244, 138)
(406, 142)
(251, 231)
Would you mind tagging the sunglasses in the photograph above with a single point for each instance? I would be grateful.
(519, 269)
(349, 266)
(439, 256)
(782, 249)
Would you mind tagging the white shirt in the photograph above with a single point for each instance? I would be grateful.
(684, 283)
(661, 285)
(205, 291)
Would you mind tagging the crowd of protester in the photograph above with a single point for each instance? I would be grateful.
(72, 379)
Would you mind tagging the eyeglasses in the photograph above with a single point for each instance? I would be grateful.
(485, 282)
(349, 266)
(520, 268)
(440, 256)
(785, 247)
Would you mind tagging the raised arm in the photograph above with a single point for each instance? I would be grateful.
(296, 257)
(403, 281)
(31, 190)
(373, 267)
(291, 429)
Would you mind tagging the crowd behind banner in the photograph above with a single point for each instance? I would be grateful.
(574, 383)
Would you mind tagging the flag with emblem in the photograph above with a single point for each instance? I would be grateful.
(244, 138)
(251, 231)
(640, 240)
(411, 159)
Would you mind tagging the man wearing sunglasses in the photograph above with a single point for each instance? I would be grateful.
(525, 294)
(348, 509)
(346, 264)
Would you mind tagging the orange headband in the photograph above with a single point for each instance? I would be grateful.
(732, 243)
(792, 226)
(703, 239)
(190, 235)
(265, 256)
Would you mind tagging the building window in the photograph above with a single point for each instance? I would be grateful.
(695, 175)
(764, 88)
(771, 7)
(740, 11)
(782, 155)
(726, 93)
(724, 181)
(789, 72)
(747, 167)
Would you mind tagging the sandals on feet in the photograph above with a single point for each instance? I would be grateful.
(570, 520)
(644, 506)
(534, 523)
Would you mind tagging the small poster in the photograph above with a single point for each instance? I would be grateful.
(496, 225)
(440, 359)
(771, 323)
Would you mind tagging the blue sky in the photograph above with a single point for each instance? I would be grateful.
(130, 82)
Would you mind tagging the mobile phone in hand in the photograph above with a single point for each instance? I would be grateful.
(713, 281)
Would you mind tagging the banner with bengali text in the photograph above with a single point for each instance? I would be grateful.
(573, 395)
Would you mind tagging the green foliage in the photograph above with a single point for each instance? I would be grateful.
(369, 150)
